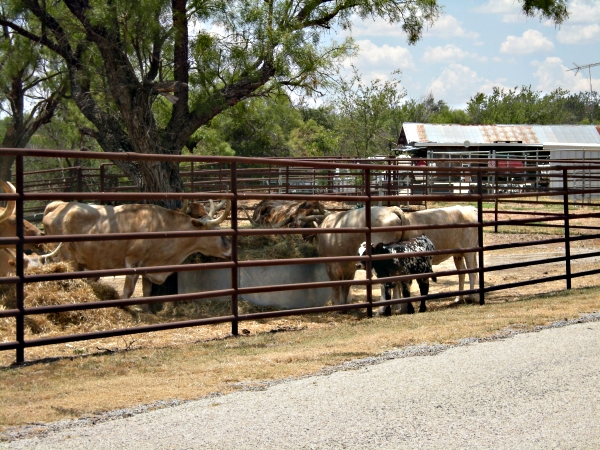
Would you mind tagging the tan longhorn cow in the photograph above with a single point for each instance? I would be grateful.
(61, 218)
(8, 220)
(345, 244)
(8, 260)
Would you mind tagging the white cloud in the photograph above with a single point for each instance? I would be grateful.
(552, 73)
(578, 34)
(457, 83)
(583, 11)
(510, 10)
(377, 27)
(530, 42)
(454, 82)
(448, 53)
(448, 26)
(378, 62)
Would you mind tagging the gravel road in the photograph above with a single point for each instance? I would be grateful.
(536, 390)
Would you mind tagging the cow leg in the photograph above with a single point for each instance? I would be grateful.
(386, 294)
(424, 290)
(339, 294)
(406, 308)
(129, 286)
(147, 292)
(471, 262)
(146, 287)
(459, 262)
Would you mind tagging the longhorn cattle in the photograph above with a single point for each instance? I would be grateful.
(8, 220)
(412, 265)
(345, 244)
(287, 213)
(8, 260)
(62, 218)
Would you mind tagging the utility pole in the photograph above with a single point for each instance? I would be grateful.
(577, 68)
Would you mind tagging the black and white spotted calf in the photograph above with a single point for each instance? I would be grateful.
(401, 266)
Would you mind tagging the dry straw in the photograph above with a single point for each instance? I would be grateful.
(82, 291)
(63, 292)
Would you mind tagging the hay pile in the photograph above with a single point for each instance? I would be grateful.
(251, 248)
(83, 291)
(63, 292)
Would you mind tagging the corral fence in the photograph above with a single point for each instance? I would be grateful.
(555, 206)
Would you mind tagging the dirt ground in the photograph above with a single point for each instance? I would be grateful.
(184, 336)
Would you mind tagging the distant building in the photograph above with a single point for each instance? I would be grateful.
(487, 141)
(505, 146)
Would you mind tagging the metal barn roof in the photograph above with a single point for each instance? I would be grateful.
(488, 134)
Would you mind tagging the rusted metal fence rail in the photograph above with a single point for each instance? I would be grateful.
(253, 179)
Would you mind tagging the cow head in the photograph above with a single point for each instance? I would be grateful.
(8, 227)
(217, 246)
(362, 250)
(378, 249)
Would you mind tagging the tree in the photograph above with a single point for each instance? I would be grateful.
(311, 139)
(365, 112)
(32, 85)
(127, 59)
(525, 106)
(259, 126)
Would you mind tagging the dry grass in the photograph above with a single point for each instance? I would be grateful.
(72, 380)
(76, 385)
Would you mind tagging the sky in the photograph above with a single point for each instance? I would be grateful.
(479, 44)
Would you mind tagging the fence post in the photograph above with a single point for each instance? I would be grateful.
(496, 200)
(79, 179)
(234, 254)
(369, 272)
(102, 181)
(192, 176)
(287, 179)
(20, 288)
(389, 184)
(567, 230)
(480, 236)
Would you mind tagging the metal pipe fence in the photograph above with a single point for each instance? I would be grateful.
(244, 180)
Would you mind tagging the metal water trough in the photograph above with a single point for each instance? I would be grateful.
(219, 279)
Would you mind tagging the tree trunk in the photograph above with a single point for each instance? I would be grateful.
(6, 163)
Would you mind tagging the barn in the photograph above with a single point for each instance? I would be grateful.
(511, 146)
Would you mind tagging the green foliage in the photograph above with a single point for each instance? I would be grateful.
(311, 139)
(226, 84)
(554, 10)
(210, 141)
(366, 115)
(428, 110)
(323, 115)
(525, 106)
(259, 127)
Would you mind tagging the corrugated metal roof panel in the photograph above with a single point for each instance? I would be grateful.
(488, 134)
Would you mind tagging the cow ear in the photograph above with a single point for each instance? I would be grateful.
(197, 224)
(379, 245)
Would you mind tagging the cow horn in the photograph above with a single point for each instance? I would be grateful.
(211, 222)
(214, 209)
(185, 208)
(253, 223)
(45, 258)
(11, 204)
